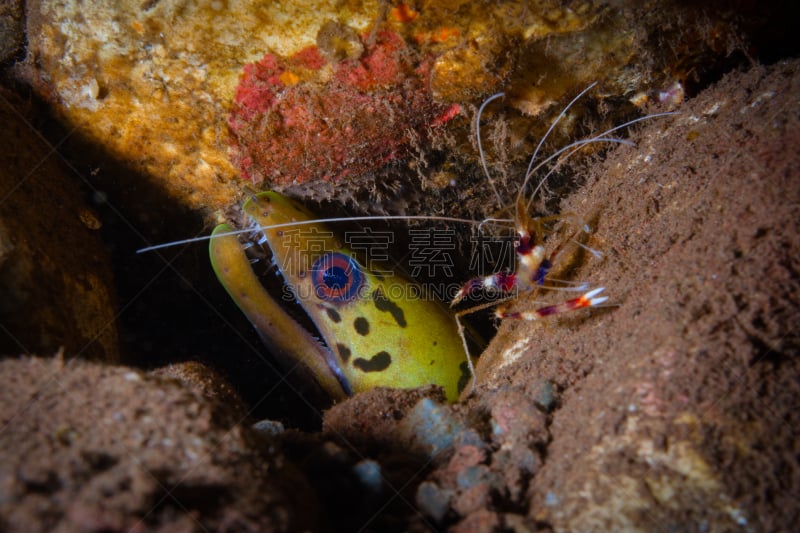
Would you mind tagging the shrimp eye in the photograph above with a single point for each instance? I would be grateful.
(336, 278)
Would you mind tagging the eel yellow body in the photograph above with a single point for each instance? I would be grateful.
(377, 329)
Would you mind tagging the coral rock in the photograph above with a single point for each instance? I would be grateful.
(301, 118)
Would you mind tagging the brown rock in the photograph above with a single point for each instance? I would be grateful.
(482, 521)
(151, 82)
(55, 276)
(91, 447)
(11, 28)
(675, 401)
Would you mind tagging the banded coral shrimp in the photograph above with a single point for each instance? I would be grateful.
(375, 329)
(534, 262)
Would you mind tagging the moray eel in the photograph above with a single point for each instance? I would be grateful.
(377, 330)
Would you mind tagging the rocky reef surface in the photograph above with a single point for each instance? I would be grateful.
(152, 405)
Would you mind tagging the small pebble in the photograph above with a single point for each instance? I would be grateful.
(433, 426)
(546, 396)
(269, 427)
(369, 475)
(433, 501)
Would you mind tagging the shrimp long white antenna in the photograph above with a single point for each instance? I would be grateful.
(528, 173)
(573, 148)
(578, 145)
(480, 145)
(550, 129)
(314, 221)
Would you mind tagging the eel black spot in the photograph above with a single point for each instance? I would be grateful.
(333, 314)
(344, 352)
(377, 363)
(382, 303)
(362, 326)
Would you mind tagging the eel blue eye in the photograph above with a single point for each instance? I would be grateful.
(336, 278)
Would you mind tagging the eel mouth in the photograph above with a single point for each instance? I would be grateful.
(282, 323)
(265, 267)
